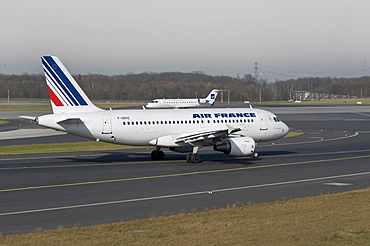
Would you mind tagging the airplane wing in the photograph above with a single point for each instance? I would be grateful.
(200, 136)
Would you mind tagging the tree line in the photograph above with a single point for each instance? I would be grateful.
(148, 86)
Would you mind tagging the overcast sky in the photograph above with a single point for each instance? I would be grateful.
(287, 38)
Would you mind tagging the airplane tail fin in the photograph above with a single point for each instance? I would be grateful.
(211, 98)
(65, 94)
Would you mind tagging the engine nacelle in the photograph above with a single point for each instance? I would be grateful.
(236, 146)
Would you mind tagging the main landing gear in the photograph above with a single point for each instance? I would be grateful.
(193, 157)
(157, 154)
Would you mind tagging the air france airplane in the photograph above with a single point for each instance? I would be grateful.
(232, 131)
(185, 103)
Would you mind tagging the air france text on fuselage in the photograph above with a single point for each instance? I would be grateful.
(224, 115)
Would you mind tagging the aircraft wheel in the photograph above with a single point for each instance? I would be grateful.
(254, 155)
(157, 155)
(188, 157)
(193, 158)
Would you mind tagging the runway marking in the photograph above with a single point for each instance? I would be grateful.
(88, 165)
(338, 184)
(183, 194)
(314, 141)
(181, 174)
(309, 154)
(357, 120)
(362, 114)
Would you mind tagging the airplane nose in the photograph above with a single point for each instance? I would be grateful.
(285, 129)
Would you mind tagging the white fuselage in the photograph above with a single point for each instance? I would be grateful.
(175, 103)
(141, 127)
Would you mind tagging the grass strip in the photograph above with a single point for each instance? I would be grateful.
(364, 101)
(25, 107)
(294, 134)
(61, 148)
(336, 219)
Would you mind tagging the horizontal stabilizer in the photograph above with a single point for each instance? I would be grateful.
(33, 118)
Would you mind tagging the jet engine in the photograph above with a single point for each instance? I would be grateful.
(238, 146)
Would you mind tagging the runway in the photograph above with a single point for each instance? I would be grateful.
(81, 189)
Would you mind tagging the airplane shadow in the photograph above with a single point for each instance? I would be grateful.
(276, 153)
(207, 158)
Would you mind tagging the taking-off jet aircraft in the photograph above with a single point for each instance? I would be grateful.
(233, 131)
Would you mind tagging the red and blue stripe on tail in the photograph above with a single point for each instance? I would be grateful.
(65, 94)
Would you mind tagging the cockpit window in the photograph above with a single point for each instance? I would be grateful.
(276, 119)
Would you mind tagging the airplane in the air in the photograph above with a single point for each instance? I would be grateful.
(185, 102)
(233, 131)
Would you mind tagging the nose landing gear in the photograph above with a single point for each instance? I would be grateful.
(157, 154)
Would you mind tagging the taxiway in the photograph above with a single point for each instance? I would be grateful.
(81, 189)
